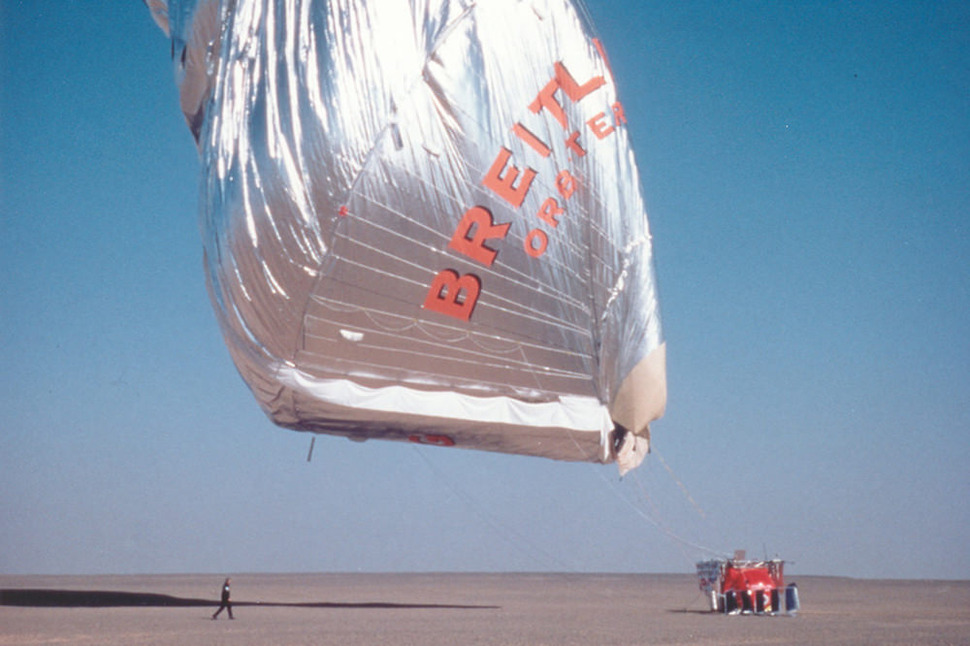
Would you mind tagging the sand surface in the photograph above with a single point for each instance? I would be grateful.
(466, 610)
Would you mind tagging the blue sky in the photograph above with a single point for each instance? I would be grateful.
(806, 168)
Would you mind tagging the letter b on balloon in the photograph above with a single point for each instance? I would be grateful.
(453, 295)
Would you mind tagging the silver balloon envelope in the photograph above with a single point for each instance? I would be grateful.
(422, 221)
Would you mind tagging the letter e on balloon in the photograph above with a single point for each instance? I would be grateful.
(503, 183)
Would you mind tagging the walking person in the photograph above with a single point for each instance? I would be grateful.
(226, 603)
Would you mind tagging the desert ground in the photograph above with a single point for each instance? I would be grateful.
(465, 609)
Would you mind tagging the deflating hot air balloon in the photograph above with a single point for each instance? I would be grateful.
(422, 221)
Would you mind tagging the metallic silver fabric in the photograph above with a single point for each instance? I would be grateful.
(422, 219)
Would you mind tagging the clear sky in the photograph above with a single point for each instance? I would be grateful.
(806, 167)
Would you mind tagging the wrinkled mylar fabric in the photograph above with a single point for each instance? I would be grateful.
(422, 221)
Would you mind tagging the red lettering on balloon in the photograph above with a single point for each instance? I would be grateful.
(574, 90)
(501, 180)
(550, 211)
(536, 242)
(602, 52)
(453, 295)
(474, 229)
(478, 237)
(546, 99)
(601, 128)
(573, 144)
(534, 142)
(566, 184)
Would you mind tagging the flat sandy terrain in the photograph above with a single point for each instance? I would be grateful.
(465, 610)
